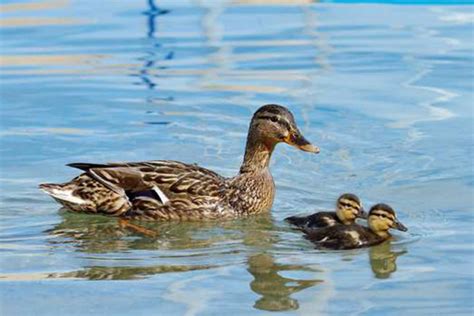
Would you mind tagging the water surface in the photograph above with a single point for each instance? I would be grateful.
(386, 91)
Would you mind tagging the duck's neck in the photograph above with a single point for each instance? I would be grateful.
(257, 156)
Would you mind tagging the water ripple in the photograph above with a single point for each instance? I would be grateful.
(384, 90)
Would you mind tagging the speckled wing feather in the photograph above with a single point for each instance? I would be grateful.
(314, 221)
(175, 182)
(118, 178)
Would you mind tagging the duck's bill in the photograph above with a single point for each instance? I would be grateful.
(400, 226)
(363, 214)
(309, 148)
(297, 140)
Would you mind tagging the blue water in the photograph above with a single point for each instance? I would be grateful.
(386, 91)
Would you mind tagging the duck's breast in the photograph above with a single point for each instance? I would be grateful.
(251, 193)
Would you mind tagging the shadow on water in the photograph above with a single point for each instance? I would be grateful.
(184, 242)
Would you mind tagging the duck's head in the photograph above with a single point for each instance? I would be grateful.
(272, 124)
(381, 218)
(348, 208)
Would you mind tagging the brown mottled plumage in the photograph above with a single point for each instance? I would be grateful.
(172, 190)
(381, 218)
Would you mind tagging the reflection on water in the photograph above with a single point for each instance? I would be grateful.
(122, 272)
(102, 235)
(383, 260)
(151, 57)
(274, 289)
(99, 234)
(385, 92)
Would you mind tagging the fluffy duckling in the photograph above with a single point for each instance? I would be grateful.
(381, 218)
(348, 208)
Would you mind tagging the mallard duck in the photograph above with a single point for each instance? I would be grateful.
(348, 208)
(381, 218)
(172, 190)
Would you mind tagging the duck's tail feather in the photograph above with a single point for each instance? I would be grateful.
(84, 166)
(61, 194)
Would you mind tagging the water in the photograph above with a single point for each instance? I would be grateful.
(386, 91)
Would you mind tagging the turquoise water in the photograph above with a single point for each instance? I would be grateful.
(386, 91)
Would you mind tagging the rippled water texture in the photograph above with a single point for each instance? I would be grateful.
(386, 91)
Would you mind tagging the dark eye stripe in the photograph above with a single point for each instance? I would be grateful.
(268, 117)
(275, 119)
(348, 205)
(383, 215)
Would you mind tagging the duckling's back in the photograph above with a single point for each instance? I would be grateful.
(340, 237)
(316, 220)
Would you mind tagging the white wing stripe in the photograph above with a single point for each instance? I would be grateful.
(164, 199)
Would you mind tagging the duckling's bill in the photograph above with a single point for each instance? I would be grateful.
(363, 214)
(399, 226)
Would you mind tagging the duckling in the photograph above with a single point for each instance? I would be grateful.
(381, 218)
(348, 208)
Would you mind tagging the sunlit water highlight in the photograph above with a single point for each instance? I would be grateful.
(386, 91)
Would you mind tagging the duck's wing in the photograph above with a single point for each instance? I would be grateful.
(162, 179)
(298, 221)
(340, 237)
(321, 234)
(332, 237)
(314, 221)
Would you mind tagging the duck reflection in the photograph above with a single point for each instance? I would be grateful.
(125, 272)
(97, 235)
(100, 235)
(275, 290)
(383, 260)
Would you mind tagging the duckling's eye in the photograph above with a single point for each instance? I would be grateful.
(383, 215)
(274, 119)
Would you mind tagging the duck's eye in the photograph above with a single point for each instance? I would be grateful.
(383, 215)
(274, 119)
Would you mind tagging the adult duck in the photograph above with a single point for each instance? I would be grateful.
(172, 190)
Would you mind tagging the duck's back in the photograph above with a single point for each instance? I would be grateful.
(343, 237)
(163, 190)
(150, 185)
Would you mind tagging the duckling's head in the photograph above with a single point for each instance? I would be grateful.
(348, 208)
(381, 218)
(272, 124)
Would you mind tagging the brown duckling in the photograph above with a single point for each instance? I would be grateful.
(348, 208)
(381, 218)
(172, 190)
